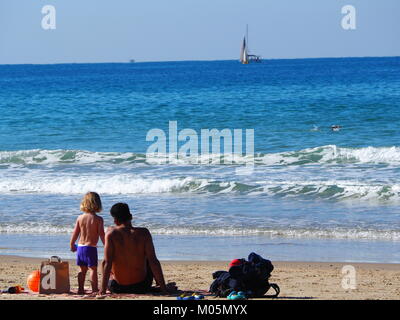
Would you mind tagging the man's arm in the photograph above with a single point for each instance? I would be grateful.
(107, 262)
(75, 235)
(101, 231)
(153, 262)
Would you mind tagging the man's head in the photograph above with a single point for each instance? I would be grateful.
(121, 214)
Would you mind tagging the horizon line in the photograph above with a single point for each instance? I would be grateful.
(200, 60)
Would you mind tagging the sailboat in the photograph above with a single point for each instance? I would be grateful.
(245, 56)
(243, 53)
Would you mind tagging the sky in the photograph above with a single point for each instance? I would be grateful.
(170, 30)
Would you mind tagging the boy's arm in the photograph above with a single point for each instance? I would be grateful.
(154, 263)
(75, 235)
(107, 262)
(101, 231)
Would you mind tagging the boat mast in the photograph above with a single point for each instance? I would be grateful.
(247, 37)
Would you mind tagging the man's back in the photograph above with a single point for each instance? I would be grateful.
(129, 254)
(127, 251)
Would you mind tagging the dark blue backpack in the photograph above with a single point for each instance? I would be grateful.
(250, 277)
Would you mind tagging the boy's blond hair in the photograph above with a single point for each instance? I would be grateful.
(91, 203)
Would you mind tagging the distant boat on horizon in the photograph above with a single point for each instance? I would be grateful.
(245, 56)
(132, 61)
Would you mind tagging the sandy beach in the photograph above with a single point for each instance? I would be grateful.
(298, 280)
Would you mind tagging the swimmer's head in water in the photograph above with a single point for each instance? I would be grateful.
(121, 213)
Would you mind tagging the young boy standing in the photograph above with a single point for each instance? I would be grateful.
(89, 227)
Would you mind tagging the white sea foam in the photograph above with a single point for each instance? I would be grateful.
(38, 156)
(34, 228)
(332, 154)
(44, 182)
(333, 189)
(333, 233)
(107, 174)
(329, 154)
(111, 184)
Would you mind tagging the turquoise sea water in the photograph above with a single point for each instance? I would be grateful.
(314, 193)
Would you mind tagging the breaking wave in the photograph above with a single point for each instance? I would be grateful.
(329, 154)
(131, 184)
(333, 233)
(118, 184)
(65, 172)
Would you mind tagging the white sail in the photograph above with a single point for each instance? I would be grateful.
(243, 53)
(245, 56)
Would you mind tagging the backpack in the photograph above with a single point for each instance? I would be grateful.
(250, 277)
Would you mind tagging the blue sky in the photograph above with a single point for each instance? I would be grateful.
(165, 30)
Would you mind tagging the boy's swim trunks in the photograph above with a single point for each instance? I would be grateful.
(87, 256)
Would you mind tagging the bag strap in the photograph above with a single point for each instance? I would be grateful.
(55, 258)
(277, 290)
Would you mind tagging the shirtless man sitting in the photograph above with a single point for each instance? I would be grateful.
(129, 256)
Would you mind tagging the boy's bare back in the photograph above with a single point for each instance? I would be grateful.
(91, 228)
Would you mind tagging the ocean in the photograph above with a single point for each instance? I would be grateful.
(314, 194)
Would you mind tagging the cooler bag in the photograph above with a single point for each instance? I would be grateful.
(54, 276)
